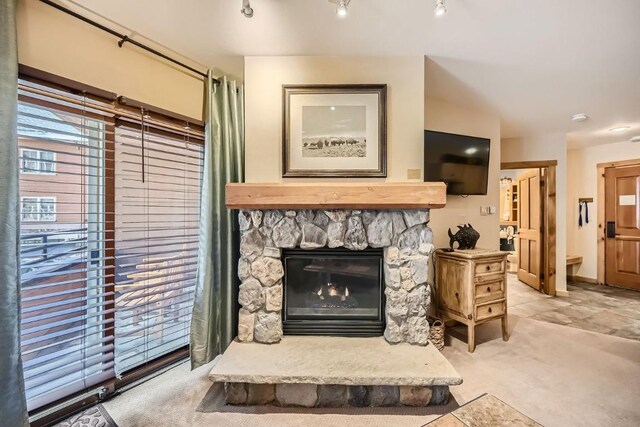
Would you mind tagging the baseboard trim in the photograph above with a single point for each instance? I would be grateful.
(583, 279)
(561, 293)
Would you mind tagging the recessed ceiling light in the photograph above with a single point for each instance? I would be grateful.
(580, 117)
(440, 9)
(620, 129)
(635, 138)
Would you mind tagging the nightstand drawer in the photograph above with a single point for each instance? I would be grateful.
(487, 311)
(490, 267)
(490, 291)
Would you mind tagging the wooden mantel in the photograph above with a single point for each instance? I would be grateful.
(337, 195)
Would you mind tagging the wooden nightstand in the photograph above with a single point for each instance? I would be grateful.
(471, 288)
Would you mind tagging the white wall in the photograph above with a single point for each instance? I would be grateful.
(445, 117)
(547, 147)
(264, 77)
(582, 182)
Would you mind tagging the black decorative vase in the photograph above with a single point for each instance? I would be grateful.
(466, 236)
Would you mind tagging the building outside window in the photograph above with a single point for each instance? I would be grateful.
(40, 209)
(40, 162)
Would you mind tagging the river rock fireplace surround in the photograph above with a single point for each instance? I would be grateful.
(325, 270)
(403, 237)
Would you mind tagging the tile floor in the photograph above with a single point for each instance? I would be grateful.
(595, 308)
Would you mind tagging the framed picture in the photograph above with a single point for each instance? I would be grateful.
(334, 131)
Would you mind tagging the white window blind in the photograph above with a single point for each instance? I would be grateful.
(66, 277)
(158, 182)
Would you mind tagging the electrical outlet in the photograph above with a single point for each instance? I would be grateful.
(413, 173)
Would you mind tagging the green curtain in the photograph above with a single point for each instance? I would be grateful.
(215, 307)
(13, 407)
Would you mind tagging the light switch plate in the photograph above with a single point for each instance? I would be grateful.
(413, 173)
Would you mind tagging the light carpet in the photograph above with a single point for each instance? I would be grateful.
(557, 375)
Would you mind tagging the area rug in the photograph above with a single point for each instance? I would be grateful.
(485, 411)
(96, 416)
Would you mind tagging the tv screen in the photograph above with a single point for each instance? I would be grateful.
(462, 162)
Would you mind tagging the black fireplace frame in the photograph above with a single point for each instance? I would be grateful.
(334, 327)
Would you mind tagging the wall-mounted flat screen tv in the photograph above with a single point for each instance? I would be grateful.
(461, 161)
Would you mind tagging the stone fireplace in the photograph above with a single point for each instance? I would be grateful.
(333, 273)
(334, 281)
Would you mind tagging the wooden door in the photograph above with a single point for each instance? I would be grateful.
(622, 226)
(529, 228)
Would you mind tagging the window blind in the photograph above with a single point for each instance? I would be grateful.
(110, 204)
(66, 276)
(158, 182)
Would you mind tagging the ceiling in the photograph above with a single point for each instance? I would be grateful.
(533, 62)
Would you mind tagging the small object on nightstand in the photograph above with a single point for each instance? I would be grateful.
(466, 236)
(471, 287)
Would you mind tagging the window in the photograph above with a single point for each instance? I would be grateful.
(38, 209)
(37, 161)
(157, 221)
(108, 239)
(67, 329)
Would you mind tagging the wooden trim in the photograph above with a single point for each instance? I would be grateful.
(600, 236)
(550, 239)
(337, 195)
(38, 76)
(528, 165)
(123, 100)
(151, 367)
(621, 163)
(601, 257)
(111, 109)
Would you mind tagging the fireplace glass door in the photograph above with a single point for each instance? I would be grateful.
(333, 292)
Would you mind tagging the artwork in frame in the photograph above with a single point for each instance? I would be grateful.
(334, 131)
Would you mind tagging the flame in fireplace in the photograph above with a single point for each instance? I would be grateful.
(332, 290)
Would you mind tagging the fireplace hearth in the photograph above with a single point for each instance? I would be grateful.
(333, 292)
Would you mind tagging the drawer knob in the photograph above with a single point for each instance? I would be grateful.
(489, 309)
(488, 288)
(457, 296)
(488, 267)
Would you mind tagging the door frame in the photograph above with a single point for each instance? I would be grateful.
(601, 264)
(549, 217)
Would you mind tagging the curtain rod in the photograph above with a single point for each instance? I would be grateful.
(124, 38)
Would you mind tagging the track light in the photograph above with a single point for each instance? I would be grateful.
(440, 9)
(342, 10)
(246, 10)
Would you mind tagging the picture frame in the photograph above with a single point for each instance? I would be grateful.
(334, 131)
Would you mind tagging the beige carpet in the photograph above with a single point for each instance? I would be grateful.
(557, 375)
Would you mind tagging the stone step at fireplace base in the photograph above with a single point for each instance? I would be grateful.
(334, 396)
(324, 371)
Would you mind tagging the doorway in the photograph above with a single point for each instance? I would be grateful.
(619, 220)
(529, 214)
